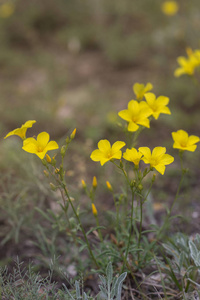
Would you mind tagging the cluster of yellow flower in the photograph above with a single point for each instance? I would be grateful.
(138, 110)
(38, 146)
(170, 8)
(189, 64)
(7, 9)
(137, 115)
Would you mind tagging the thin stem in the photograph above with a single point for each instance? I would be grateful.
(140, 228)
(80, 224)
(176, 196)
(63, 186)
(131, 224)
(99, 230)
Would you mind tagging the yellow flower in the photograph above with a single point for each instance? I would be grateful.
(6, 10)
(21, 132)
(136, 114)
(140, 89)
(39, 146)
(106, 152)
(158, 105)
(188, 64)
(132, 155)
(184, 142)
(158, 159)
(170, 8)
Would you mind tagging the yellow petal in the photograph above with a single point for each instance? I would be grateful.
(30, 147)
(132, 126)
(125, 115)
(160, 168)
(52, 145)
(104, 145)
(146, 152)
(117, 155)
(43, 139)
(96, 155)
(193, 139)
(29, 141)
(150, 98)
(117, 146)
(158, 152)
(167, 159)
(162, 101)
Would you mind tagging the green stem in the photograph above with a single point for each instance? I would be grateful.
(131, 226)
(176, 196)
(80, 224)
(62, 184)
(99, 230)
(140, 229)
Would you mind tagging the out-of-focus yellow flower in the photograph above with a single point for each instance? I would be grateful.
(106, 152)
(183, 141)
(136, 114)
(132, 155)
(170, 8)
(109, 186)
(158, 105)
(94, 182)
(157, 159)
(21, 132)
(83, 183)
(6, 10)
(39, 146)
(94, 210)
(188, 64)
(140, 89)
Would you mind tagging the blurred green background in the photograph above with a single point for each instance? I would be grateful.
(72, 63)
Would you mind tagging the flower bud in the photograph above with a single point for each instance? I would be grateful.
(48, 158)
(67, 140)
(140, 187)
(94, 210)
(133, 182)
(94, 182)
(83, 183)
(63, 150)
(46, 173)
(109, 186)
(153, 178)
(72, 136)
(52, 186)
(57, 171)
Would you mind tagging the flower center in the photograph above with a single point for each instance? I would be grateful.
(40, 149)
(109, 154)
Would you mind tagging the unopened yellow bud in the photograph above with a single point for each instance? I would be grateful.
(63, 150)
(140, 187)
(52, 186)
(109, 186)
(83, 183)
(46, 173)
(57, 171)
(94, 210)
(94, 182)
(153, 178)
(48, 158)
(72, 136)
